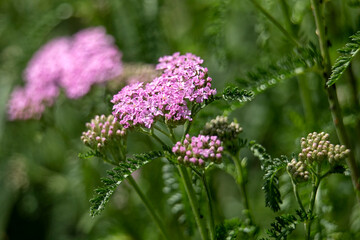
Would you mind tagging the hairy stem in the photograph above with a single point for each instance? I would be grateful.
(331, 93)
(315, 187)
(241, 181)
(193, 202)
(276, 23)
(149, 207)
(211, 219)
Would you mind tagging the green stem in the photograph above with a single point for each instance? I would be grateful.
(162, 131)
(296, 194)
(285, 10)
(157, 138)
(242, 184)
(332, 96)
(211, 219)
(149, 207)
(311, 207)
(193, 202)
(276, 23)
(187, 129)
(172, 135)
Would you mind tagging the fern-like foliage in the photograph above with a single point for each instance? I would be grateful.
(282, 227)
(286, 224)
(233, 229)
(236, 94)
(299, 61)
(260, 152)
(116, 176)
(347, 54)
(89, 154)
(271, 168)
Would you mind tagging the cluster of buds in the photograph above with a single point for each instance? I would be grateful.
(316, 147)
(102, 130)
(298, 170)
(222, 128)
(198, 150)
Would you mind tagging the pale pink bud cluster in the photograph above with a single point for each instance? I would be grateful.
(198, 150)
(316, 147)
(183, 81)
(102, 130)
(73, 63)
(298, 170)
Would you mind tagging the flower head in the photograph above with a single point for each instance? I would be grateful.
(102, 130)
(298, 170)
(168, 96)
(316, 147)
(198, 150)
(75, 64)
(92, 59)
(30, 102)
(221, 127)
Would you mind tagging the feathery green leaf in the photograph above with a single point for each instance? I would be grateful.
(282, 227)
(89, 154)
(348, 52)
(296, 63)
(236, 94)
(271, 167)
(116, 176)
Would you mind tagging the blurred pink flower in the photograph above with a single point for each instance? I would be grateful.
(73, 63)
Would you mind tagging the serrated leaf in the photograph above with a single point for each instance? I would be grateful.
(341, 64)
(116, 176)
(271, 168)
(260, 152)
(89, 154)
(236, 94)
(282, 227)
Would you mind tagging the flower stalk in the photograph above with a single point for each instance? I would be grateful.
(241, 181)
(210, 207)
(193, 202)
(332, 95)
(149, 207)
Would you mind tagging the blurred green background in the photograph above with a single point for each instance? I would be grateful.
(45, 187)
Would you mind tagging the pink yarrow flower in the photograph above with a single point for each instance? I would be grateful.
(183, 81)
(198, 150)
(73, 63)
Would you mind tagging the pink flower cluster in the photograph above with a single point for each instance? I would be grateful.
(199, 150)
(73, 63)
(183, 81)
